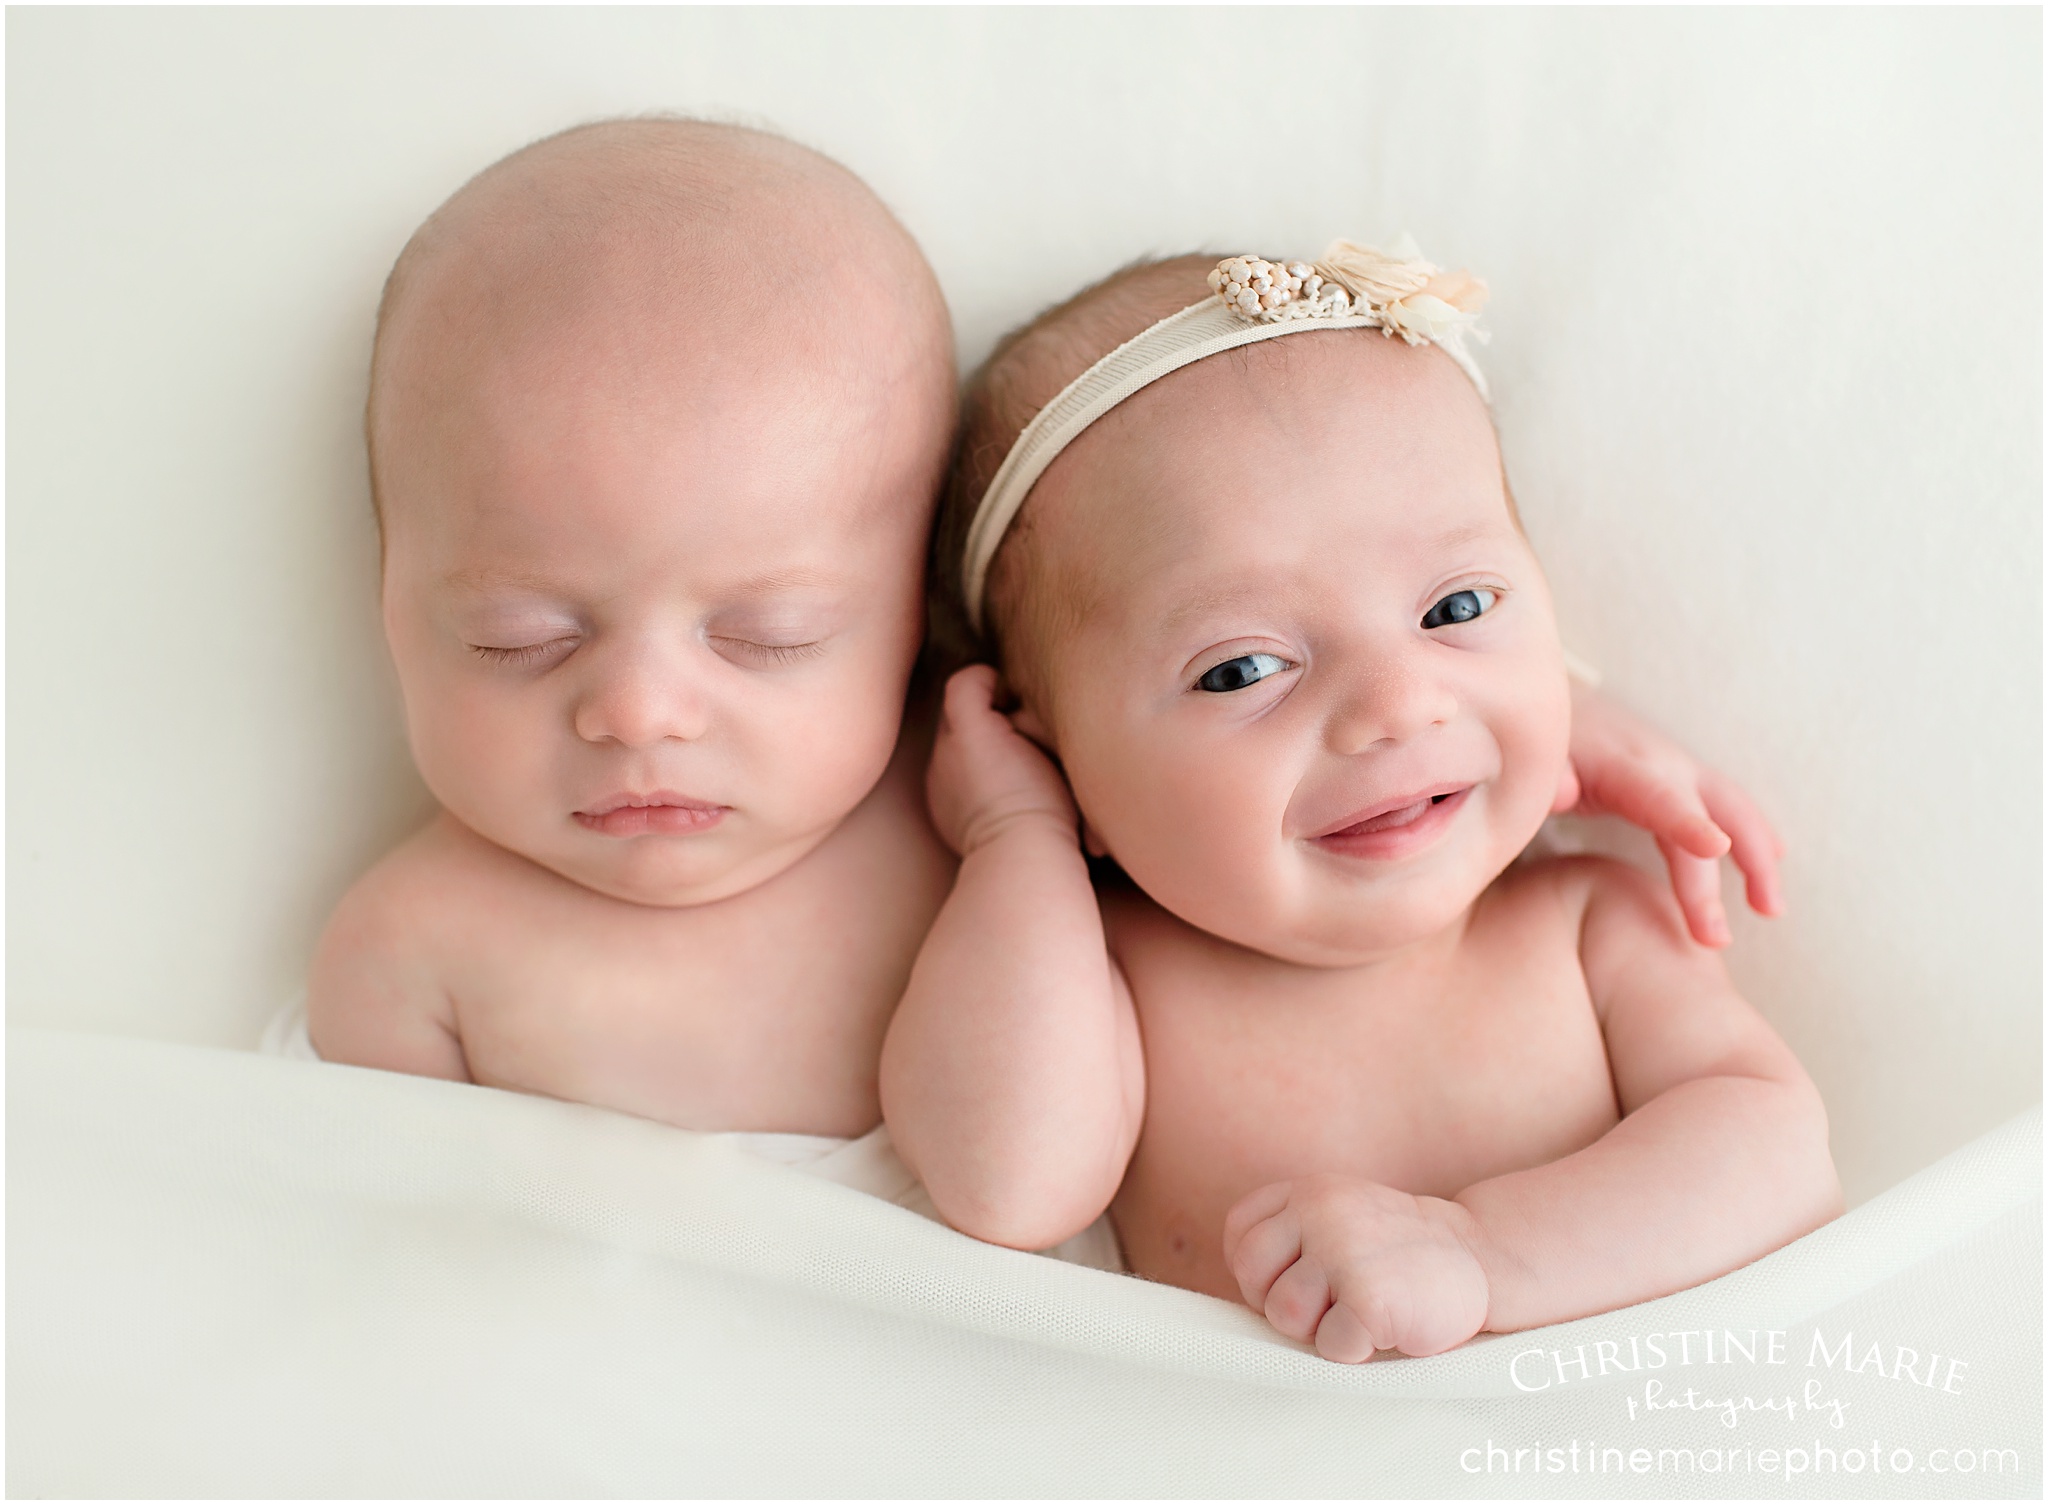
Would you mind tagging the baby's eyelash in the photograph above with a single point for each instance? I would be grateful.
(778, 653)
(519, 658)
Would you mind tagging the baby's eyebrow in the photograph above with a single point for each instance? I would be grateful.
(491, 581)
(1452, 538)
(1214, 598)
(487, 582)
(1222, 596)
(796, 577)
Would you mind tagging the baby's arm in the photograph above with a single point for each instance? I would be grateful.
(1622, 766)
(1011, 1079)
(372, 998)
(1720, 1157)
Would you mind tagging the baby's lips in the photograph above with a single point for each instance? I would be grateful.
(660, 813)
(1391, 805)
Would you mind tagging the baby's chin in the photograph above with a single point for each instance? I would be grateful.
(1331, 928)
(665, 871)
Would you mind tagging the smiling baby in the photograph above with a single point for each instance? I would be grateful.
(1328, 1045)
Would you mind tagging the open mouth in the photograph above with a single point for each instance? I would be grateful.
(662, 813)
(1399, 829)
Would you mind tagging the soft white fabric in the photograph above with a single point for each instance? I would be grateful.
(232, 1275)
(868, 1164)
(287, 1034)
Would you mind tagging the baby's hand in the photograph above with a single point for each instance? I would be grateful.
(1621, 766)
(986, 775)
(1357, 1266)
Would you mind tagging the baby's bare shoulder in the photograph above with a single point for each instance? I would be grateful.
(376, 992)
(1647, 976)
(431, 878)
(1630, 909)
(1618, 923)
(1553, 892)
(1590, 890)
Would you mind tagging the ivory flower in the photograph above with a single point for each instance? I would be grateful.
(1424, 316)
(1461, 290)
(1374, 276)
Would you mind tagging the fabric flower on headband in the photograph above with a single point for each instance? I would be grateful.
(1397, 290)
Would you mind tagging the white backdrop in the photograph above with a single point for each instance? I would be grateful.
(1767, 356)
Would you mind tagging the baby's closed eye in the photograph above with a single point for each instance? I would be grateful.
(529, 654)
(782, 628)
(757, 651)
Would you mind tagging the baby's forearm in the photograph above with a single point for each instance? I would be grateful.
(1010, 1070)
(1708, 1176)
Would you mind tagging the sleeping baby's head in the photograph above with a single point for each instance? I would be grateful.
(658, 410)
(1274, 613)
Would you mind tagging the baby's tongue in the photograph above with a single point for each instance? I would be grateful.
(1391, 819)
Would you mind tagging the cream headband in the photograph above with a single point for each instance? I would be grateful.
(1351, 287)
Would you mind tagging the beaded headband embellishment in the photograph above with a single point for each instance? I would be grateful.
(1349, 287)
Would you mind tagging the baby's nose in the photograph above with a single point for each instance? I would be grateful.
(642, 697)
(1389, 701)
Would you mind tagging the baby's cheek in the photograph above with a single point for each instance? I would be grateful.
(1535, 756)
(1196, 832)
(479, 765)
(828, 748)
(498, 752)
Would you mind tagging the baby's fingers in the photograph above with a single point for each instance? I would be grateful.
(1669, 809)
(970, 697)
(1697, 883)
(1252, 1209)
(1261, 1238)
(1421, 1298)
(1343, 1336)
(1756, 847)
(1296, 1302)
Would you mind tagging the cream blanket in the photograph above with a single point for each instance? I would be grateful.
(869, 1163)
(235, 1275)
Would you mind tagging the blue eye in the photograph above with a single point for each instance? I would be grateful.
(1236, 673)
(1460, 606)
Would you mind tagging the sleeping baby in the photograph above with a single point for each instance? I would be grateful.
(658, 416)
(1253, 576)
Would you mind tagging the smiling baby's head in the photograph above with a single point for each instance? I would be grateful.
(658, 410)
(1276, 616)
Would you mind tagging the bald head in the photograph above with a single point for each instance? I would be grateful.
(656, 245)
(658, 412)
